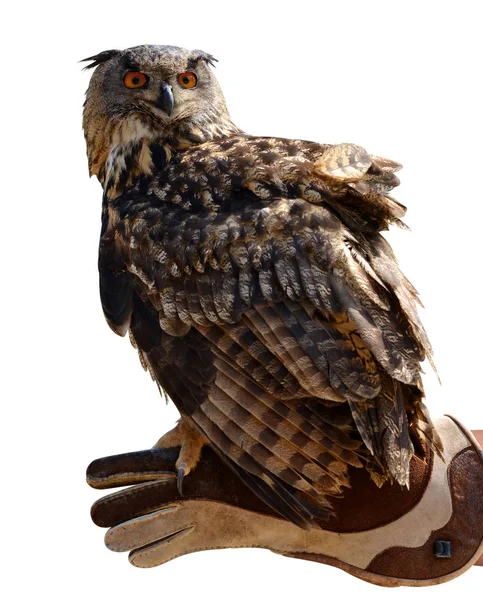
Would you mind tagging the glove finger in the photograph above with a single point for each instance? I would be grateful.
(133, 467)
(172, 546)
(211, 479)
(148, 529)
(186, 527)
(133, 502)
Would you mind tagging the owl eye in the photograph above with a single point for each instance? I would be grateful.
(187, 80)
(135, 79)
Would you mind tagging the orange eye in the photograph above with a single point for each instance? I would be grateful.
(135, 79)
(187, 80)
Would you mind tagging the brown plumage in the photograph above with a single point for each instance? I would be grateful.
(252, 277)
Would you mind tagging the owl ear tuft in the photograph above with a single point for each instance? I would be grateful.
(100, 58)
(209, 59)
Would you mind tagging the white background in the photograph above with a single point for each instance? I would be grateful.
(401, 79)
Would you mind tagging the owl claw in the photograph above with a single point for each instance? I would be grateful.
(190, 442)
(181, 473)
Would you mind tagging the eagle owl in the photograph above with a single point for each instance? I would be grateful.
(252, 277)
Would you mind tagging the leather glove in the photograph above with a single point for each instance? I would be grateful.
(390, 536)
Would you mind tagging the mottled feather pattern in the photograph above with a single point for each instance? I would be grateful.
(254, 281)
(294, 303)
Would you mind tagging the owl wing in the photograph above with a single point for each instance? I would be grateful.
(260, 294)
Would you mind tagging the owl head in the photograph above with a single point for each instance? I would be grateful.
(161, 92)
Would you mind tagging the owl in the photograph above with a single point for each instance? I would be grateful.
(252, 277)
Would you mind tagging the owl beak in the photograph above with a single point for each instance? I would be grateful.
(165, 99)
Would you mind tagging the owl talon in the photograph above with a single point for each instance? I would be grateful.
(190, 442)
(181, 473)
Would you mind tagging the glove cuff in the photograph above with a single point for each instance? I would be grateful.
(440, 534)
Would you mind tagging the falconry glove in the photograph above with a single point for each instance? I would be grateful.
(389, 536)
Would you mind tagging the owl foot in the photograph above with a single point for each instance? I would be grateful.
(191, 442)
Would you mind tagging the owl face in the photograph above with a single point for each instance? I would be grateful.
(152, 93)
(165, 81)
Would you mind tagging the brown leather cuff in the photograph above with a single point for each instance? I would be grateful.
(451, 494)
